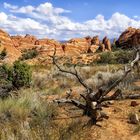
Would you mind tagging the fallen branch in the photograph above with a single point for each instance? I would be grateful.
(71, 101)
(93, 101)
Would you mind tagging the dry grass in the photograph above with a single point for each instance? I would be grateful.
(30, 116)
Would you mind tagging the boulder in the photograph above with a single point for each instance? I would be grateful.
(107, 43)
(129, 38)
(134, 103)
(133, 118)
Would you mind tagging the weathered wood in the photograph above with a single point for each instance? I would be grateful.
(113, 97)
(71, 101)
(81, 81)
(93, 101)
(132, 96)
(136, 59)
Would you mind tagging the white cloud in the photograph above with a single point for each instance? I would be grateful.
(47, 20)
(7, 5)
(28, 9)
(3, 17)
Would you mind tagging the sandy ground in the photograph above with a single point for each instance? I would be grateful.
(117, 126)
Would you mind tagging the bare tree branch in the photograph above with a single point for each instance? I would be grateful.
(71, 101)
(72, 73)
(113, 97)
(127, 71)
(132, 96)
(136, 59)
(93, 101)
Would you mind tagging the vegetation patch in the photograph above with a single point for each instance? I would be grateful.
(116, 57)
(29, 54)
(3, 54)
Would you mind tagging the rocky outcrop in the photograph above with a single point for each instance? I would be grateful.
(129, 38)
(22, 43)
(95, 40)
(75, 47)
(6, 42)
(106, 43)
(78, 46)
(46, 47)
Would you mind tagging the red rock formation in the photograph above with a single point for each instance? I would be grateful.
(23, 43)
(88, 39)
(76, 46)
(6, 42)
(95, 40)
(45, 47)
(107, 43)
(129, 38)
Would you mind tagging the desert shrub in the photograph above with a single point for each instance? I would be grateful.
(29, 54)
(21, 74)
(116, 57)
(107, 58)
(5, 74)
(124, 57)
(3, 54)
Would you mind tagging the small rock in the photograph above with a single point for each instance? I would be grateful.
(104, 115)
(93, 105)
(134, 103)
(111, 102)
(134, 119)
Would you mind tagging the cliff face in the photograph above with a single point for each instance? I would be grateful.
(130, 38)
(6, 42)
(75, 47)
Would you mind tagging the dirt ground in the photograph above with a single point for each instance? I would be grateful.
(117, 127)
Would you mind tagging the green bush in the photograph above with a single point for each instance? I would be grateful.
(106, 58)
(21, 74)
(5, 73)
(3, 54)
(116, 57)
(123, 57)
(29, 54)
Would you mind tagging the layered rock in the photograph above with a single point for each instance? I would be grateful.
(106, 43)
(95, 40)
(76, 46)
(6, 42)
(129, 38)
(22, 43)
(46, 47)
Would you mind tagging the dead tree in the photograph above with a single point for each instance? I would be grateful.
(93, 101)
(135, 62)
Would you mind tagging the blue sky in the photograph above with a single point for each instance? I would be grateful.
(64, 19)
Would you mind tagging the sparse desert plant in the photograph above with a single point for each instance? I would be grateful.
(116, 57)
(25, 116)
(29, 54)
(21, 74)
(3, 54)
